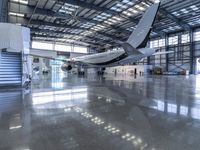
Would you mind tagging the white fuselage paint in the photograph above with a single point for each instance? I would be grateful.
(113, 58)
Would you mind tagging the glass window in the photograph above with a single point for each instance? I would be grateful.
(195, 113)
(161, 42)
(154, 44)
(173, 40)
(185, 38)
(78, 49)
(172, 108)
(40, 45)
(184, 110)
(65, 48)
(197, 36)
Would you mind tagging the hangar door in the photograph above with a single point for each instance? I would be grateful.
(10, 69)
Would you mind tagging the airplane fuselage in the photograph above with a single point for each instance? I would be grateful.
(113, 58)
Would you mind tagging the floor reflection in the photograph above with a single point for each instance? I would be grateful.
(60, 98)
(149, 113)
(177, 109)
(112, 129)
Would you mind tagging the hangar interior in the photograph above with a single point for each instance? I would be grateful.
(150, 104)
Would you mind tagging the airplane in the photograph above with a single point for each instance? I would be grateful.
(133, 50)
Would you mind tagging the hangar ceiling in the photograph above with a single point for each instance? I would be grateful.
(99, 23)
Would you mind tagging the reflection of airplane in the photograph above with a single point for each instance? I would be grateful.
(133, 49)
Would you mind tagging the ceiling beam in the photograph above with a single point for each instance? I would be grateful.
(56, 37)
(96, 39)
(37, 22)
(27, 9)
(87, 5)
(103, 9)
(178, 21)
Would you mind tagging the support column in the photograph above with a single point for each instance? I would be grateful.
(167, 49)
(148, 60)
(3, 10)
(192, 62)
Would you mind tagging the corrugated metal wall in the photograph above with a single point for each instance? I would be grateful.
(10, 69)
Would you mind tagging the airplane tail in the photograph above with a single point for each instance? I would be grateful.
(139, 37)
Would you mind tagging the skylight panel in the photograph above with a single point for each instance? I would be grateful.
(139, 7)
(68, 8)
(76, 31)
(184, 11)
(101, 17)
(85, 33)
(21, 1)
(118, 9)
(133, 10)
(126, 1)
(98, 27)
(116, 18)
(108, 22)
(76, 37)
(194, 7)
(176, 13)
(155, 1)
(105, 14)
(127, 13)
(122, 6)
(87, 25)
(70, 5)
(16, 14)
(147, 5)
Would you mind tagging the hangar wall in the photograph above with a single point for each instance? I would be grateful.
(186, 51)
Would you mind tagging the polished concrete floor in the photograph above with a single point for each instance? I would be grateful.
(102, 113)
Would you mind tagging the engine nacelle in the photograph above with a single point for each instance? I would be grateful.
(66, 67)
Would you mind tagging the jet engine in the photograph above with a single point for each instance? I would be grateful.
(66, 67)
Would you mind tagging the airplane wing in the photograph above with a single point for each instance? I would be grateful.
(63, 60)
(70, 61)
(162, 53)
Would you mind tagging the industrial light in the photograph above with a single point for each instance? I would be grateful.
(21, 1)
(16, 14)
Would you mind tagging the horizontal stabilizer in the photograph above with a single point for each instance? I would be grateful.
(129, 49)
(163, 53)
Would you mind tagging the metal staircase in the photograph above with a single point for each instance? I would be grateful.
(10, 69)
